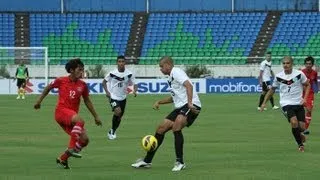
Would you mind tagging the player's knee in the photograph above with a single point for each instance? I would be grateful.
(162, 129)
(117, 111)
(80, 121)
(119, 114)
(177, 127)
(294, 123)
(77, 119)
(309, 109)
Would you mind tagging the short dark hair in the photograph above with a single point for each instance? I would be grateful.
(73, 64)
(309, 58)
(269, 52)
(121, 57)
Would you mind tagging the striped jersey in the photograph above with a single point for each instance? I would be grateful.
(290, 87)
(265, 66)
(118, 82)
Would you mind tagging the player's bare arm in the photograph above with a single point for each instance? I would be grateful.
(260, 77)
(189, 89)
(166, 100)
(90, 107)
(105, 87)
(135, 89)
(267, 97)
(44, 93)
(307, 90)
(272, 73)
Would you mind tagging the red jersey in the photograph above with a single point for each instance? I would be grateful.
(70, 92)
(312, 76)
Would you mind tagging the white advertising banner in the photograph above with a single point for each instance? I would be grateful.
(145, 86)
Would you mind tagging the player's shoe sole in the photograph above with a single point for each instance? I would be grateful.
(178, 167)
(62, 164)
(141, 164)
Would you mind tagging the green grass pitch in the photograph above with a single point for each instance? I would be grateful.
(229, 140)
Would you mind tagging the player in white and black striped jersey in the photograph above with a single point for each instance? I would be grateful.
(116, 84)
(265, 80)
(291, 83)
(187, 107)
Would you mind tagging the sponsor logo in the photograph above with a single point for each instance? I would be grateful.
(147, 86)
(160, 87)
(241, 85)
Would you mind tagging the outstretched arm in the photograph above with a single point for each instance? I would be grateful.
(135, 89)
(189, 89)
(260, 77)
(44, 93)
(306, 92)
(105, 87)
(90, 107)
(166, 100)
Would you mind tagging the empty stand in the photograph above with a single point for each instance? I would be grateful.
(89, 36)
(6, 37)
(298, 34)
(198, 38)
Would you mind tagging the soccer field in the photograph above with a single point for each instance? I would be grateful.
(229, 140)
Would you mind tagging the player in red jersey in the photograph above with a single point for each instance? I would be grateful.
(71, 88)
(312, 75)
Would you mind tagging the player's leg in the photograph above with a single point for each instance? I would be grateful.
(185, 118)
(118, 108)
(263, 93)
(179, 124)
(78, 134)
(19, 84)
(308, 115)
(82, 142)
(300, 114)
(164, 127)
(22, 89)
(73, 125)
(295, 128)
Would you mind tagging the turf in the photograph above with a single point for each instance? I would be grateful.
(229, 140)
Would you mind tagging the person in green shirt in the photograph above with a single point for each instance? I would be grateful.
(22, 75)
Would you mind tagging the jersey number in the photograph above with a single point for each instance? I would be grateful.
(72, 94)
(120, 85)
(172, 93)
(289, 88)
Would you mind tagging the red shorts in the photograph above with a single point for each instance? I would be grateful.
(309, 103)
(64, 119)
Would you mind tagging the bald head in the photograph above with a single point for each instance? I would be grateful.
(166, 65)
(288, 58)
(166, 60)
(287, 64)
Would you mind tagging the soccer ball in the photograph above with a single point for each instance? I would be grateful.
(149, 143)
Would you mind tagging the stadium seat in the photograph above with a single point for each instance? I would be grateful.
(6, 37)
(202, 35)
(297, 34)
(81, 35)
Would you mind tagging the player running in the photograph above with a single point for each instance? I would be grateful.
(312, 75)
(71, 88)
